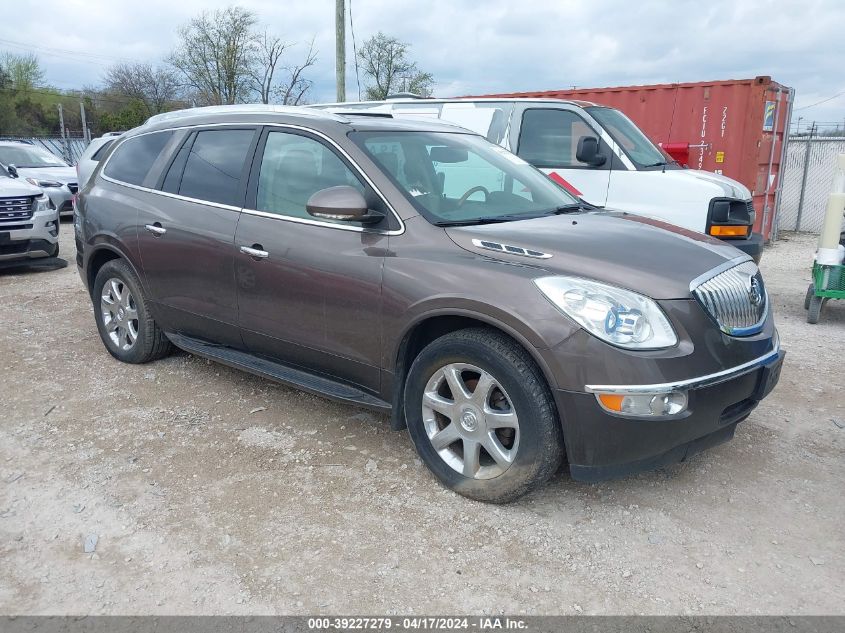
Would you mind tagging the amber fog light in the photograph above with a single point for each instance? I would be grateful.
(644, 404)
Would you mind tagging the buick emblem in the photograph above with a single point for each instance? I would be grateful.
(755, 293)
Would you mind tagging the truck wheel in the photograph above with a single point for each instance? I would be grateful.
(126, 327)
(55, 251)
(815, 309)
(810, 293)
(481, 416)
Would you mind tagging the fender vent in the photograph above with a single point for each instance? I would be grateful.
(511, 250)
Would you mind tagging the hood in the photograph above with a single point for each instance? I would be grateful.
(63, 175)
(12, 188)
(642, 254)
(730, 187)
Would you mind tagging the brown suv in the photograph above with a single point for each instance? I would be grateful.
(415, 268)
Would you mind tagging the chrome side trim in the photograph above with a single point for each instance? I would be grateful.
(690, 383)
(509, 249)
(276, 216)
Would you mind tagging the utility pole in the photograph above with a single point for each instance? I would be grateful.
(85, 136)
(64, 137)
(340, 48)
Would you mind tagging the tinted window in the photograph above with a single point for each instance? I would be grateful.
(96, 156)
(549, 138)
(133, 159)
(214, 166)
(293, 168)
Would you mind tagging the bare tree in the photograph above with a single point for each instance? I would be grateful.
(385, 61)
(155, 87)
(216, 55)
(268, 54)
(24, 71)
(293, 90)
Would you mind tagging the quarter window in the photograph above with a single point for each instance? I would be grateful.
(214, 166)
(549, 138)
(293, 168)
(132, 160)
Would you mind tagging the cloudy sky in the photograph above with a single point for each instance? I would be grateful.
(480, 46)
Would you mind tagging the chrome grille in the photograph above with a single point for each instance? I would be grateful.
(736, 299)
(13, 210)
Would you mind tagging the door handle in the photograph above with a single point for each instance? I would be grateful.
(156, 229)
(255, 251)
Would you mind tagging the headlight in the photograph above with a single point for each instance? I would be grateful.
(615, 315)
(44, 183)
(42, 203)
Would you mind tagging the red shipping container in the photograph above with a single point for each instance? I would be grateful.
(735, 127)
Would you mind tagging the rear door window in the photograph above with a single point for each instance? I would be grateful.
(549, 138)
(132, 160)
(215, 165)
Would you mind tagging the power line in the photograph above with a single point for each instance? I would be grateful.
(63, 52)
(839, 94)
(354, 50)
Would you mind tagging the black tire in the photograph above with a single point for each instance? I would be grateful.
(55, 251)
(811, 289)
(814, 309)
(540, 446)
(151, 343)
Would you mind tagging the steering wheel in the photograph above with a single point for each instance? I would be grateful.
(475, 189)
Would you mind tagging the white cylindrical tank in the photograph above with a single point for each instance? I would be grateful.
(829, 251)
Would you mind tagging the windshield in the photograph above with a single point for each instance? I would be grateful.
(462, 178)
(636, 145)
(27, 156)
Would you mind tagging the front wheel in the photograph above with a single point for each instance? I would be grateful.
(481, 416)
(126, 326)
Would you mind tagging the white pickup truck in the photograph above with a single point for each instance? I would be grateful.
(599, 154)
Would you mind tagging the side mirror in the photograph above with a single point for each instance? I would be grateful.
(343, 203)
(13, 171)
(588, 151)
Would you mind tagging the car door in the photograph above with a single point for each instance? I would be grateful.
(186, 238)
(548, 139)
(309, 291)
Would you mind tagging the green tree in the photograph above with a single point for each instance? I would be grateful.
(24, 71)
(385, 62)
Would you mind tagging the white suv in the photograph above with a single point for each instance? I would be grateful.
(29, 222)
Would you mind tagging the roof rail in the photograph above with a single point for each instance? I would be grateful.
(241, 108)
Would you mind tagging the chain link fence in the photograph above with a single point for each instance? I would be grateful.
(807, 177)
(69, 149)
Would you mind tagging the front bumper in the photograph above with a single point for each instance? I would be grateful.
(752, 245)
(602, 445)
(38, 240)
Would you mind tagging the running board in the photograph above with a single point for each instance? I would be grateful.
(298, 378)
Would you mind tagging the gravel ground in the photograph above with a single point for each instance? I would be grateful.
(210, 491)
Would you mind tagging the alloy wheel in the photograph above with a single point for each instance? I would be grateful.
(120, 314)
(470, 421)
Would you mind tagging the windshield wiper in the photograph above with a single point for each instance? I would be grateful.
(487, 219)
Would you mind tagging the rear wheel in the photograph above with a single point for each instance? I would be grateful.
(126, 327)
(481, 416)
(810, 293)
